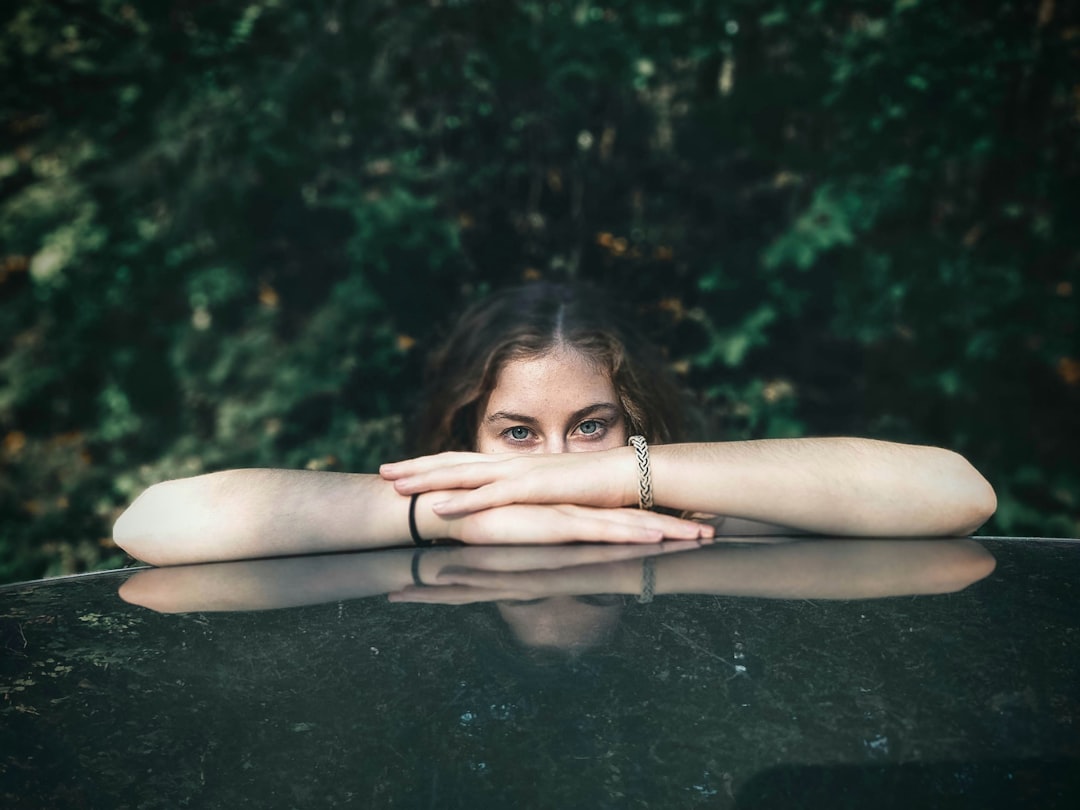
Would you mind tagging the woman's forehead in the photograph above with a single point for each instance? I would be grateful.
(564, 378)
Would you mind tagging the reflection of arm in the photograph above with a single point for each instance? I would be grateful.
(241, 514)
(822, 569)
(806, 569)
(292, 581)
(267, 584)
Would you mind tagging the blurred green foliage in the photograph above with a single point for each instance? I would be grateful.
(229, 230)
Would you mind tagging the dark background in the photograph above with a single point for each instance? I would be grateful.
(229, 231)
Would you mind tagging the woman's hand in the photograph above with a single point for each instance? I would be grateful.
(564, 523)
(604, 478)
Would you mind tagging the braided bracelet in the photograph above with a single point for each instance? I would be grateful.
(645, 499)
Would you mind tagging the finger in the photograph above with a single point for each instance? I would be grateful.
(586, 554)
(546, 558)
(459, 476)
(577, 532)
(450, 595)
(677, 546)
(483, 494)
(502, 558)
(413, 466)
(607, 531)
(473, 578)
(672, 527)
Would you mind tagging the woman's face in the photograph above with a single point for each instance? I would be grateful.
(559, 402)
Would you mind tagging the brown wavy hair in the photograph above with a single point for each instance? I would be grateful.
(529, 321)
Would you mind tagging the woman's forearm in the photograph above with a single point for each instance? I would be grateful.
(239, 514)
(826, 486)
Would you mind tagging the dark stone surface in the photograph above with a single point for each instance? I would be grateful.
(969, 699)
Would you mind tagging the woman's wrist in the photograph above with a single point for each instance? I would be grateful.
(429, 525)
(628, 477)
(679, 472)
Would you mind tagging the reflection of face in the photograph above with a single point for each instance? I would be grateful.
(561, 622)
(559, 402)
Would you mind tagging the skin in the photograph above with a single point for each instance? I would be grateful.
(244, 514)
(556, 403)
(552, 467)
(538, 418)
(518, 578)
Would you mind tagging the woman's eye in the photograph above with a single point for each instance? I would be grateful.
(589, 427)
(518, 434)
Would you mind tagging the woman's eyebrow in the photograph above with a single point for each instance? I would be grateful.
(511, 417)
(588, 410)
(575, 416)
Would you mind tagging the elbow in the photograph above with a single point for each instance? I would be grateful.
(138, 529)
(976, 500)
(130, 529)
(185, 520)
(983, 508)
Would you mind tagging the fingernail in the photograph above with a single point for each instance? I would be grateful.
(440, 507)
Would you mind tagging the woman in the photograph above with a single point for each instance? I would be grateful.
(527, 382)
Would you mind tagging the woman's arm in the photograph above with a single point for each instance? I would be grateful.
(839, 486)
(241, 514)
(843, 486)
(244, 514)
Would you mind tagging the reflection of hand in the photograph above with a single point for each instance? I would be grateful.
(455, 576)
(562, 523)
(447, 561)
(606, 478)
(501, 586)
